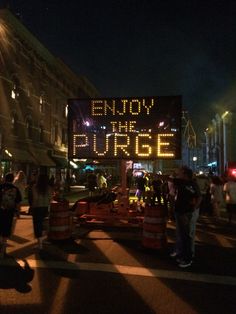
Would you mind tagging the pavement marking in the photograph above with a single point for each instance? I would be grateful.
(125, 270)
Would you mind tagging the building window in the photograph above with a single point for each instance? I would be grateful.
(64, 136)
(15, 87)
(14, 92)
(52, 134)
(42, 103)
(29, 128)
(14, 124)
(28, 92)
(56, 134)
(65, 111)
(41, 134)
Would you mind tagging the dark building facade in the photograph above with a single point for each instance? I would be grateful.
(34, 89)
(221, 142)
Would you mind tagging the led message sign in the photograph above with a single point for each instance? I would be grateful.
(125, 128)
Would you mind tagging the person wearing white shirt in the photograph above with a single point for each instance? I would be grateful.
(230, 197)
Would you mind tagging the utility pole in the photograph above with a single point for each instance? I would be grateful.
(189, 136)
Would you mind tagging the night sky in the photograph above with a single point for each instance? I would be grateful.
(144, 47)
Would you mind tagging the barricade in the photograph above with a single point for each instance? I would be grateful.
(59, 221)
(82, 208)
(154, 227)
(123, 201)
(100, 209)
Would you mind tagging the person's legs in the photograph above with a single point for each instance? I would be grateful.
(154, 197)
(178, 251)
(6, 219)
(216, 209)
(184, 236)
(39, 214)
(171, 215)
(158, 193)
(193, 223)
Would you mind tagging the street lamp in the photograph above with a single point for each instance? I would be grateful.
(194, 163)
(224, 114)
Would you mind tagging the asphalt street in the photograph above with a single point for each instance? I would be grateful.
(104, 269)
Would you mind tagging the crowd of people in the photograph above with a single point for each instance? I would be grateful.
(184, 197)
(96, 182)
(159, 189)
(39, 190)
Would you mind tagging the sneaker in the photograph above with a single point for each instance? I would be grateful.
(173, 254)
(184, 264)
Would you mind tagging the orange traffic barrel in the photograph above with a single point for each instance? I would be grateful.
(82, 208)
(154, 227)
(59, 221)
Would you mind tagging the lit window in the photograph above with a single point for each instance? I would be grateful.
(65, 113)
(42, 103)
(13, 94)
(14, 124)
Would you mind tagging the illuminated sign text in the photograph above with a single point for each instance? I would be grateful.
(129, 128)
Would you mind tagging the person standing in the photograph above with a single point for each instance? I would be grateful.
(58, 187)
(41, 197)
(157, 189)
(91, 183)
(230, 197)
(187, 202)
(171, 198)
(20, 182)
(140, 186)
(31, 182)
(216, 191)
(10, 198)
(101, 183)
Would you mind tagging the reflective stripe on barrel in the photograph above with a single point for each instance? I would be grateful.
(152, 235)
(59, 221)
(154, 227)
(154, 220)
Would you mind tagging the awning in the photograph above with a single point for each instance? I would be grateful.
(60, 161)
(42, 158)
(18, 155)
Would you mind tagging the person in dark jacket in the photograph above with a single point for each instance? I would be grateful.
(187, 203)
(32, 180)
(41, 197)
(10, 198)
(157, 189)
(91, 183)
(140, 184)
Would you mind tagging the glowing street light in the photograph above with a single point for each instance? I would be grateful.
(224, 114)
